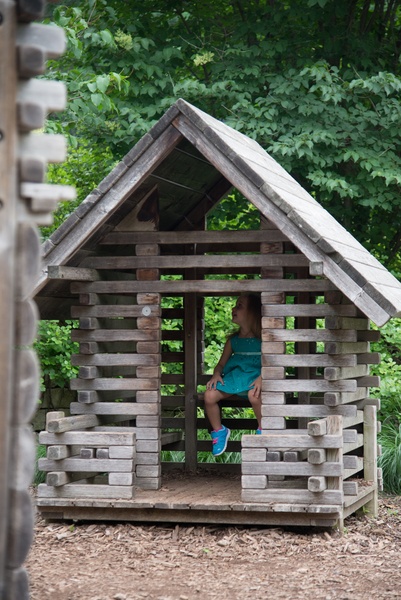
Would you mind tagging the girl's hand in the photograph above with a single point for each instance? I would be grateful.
(256, 390)
(216, 378)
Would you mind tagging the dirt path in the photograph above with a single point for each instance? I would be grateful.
(135, 562)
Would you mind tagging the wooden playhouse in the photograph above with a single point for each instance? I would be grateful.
(136, 264)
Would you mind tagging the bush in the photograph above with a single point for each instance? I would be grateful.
(390, 460)
(54, 348)
(389, 371)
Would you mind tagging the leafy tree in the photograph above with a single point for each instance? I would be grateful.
(316, 83)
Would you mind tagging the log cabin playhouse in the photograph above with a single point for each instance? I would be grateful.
(111, 265)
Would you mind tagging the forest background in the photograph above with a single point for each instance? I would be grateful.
(316, 82)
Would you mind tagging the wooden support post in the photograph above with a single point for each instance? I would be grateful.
(275, 322)
(8, 216)
(23, 105)
(370, 455)
(145, 217)
(335, 427)
(190, 377)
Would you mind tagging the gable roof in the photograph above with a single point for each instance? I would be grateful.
(195, 159)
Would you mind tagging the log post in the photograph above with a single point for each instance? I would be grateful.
(24, 203)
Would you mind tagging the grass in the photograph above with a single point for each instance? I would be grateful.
(390, 460)
(39, 476)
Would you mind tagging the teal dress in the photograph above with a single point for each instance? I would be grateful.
(243, 366)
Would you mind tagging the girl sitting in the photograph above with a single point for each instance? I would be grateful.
(238, 370)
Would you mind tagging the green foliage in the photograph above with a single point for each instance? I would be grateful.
(317, 85)
(389, 371)
(233, 212)
(54, 348)
(84, 168)
(390, 460)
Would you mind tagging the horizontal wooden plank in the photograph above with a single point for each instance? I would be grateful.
(114, 383)
(52, 148)
(309, 385)
(115, 335)
(97, 439)
(283, 439)
(203, 286)
(59, 451)
(338, 322)
(308, 335)
(368, 381)
(193, 237)
(122, 451)
(292, 496)
(131, 409)
(292, 469)
(356, 443)
(346, 347)
(51, 39)
(121, 478)
(59, 425)
(306, 410)
(335, 373)
(94, 491)
(352, 472)
(254, 482)
(191, 261)
(308, 310)
(309, 360)
(350, 488)
(59, 478)
(46, 192)
(110, 311)
(72, 273)
(51, 95)
(109, 359)
(90, 465)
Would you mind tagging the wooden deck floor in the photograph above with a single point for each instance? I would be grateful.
(201, 498)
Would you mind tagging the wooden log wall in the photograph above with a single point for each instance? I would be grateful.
(87, 460)
(332, 379)
(25, 202)
(315, 482)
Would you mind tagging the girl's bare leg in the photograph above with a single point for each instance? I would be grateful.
(256, 403)
(211, 398)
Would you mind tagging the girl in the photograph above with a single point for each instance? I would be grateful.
(238, 370)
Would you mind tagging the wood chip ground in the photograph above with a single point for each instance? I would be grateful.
(97, 561)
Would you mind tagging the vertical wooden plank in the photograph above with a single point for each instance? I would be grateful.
(8, 199)
(190, 379)
(304, 347)
(268, 422)
(334, 427)
(145, 217)
(370, 454)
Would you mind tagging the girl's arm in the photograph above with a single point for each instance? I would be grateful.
(216, 377)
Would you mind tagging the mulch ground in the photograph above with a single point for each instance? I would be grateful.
(111, 561)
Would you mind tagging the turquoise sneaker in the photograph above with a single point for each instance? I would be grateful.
(258, 431)
(219, 440)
